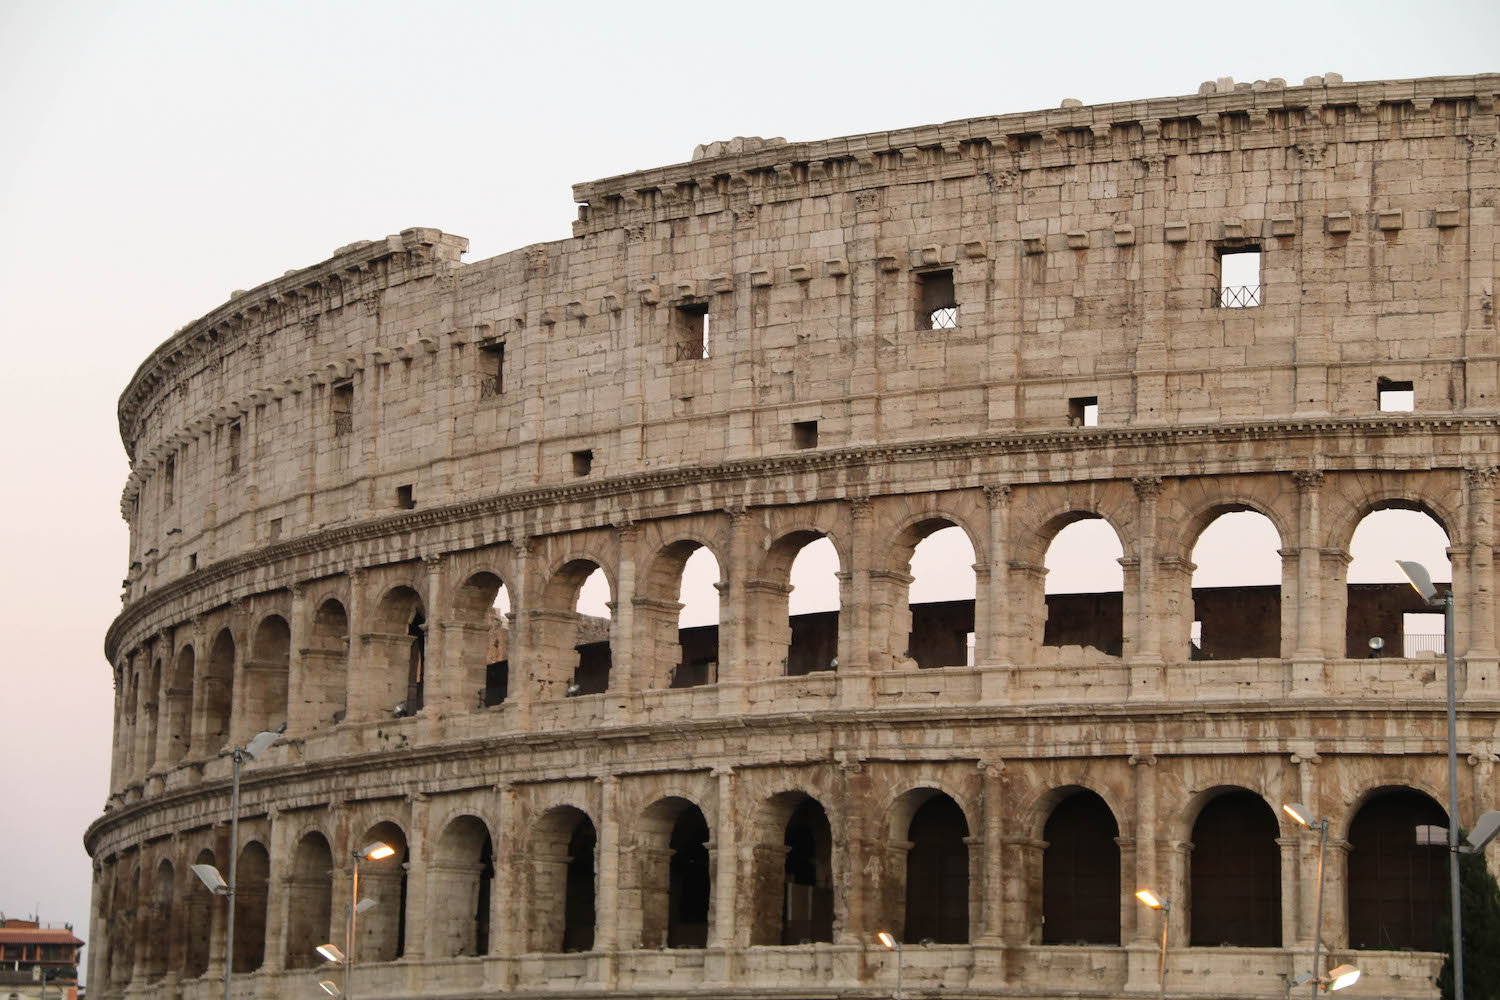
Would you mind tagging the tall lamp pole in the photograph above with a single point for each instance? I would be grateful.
(1422, 582)
(208, 874)
(1302, 815)
(1154, 901)
(375, 851)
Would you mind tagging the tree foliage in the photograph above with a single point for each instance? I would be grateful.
(1479, 896)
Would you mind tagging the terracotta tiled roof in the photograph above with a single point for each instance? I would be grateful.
(36, 935)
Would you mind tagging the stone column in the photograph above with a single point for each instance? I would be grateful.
(1307, 658)
(850, 884)
(299, 699)
(440, 685)
(626, 669)
(1144, 654)
(607, 891)
(1147, 874)
(992, 627)
(725, 878)
(1290, 853)
(1481, 655)
(239, 629)
(862, 589)
(988, 933)
(1128, 903)
(521, 654)
(358, 702)
(97, 940)
(1336, 894)
(278, 884)
(506, 904)
(417, 853)
(117, 749)
(734, 605)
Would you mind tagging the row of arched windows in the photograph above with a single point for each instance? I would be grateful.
(1394, 889)
(184, 702)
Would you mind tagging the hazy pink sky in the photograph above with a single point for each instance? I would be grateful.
(153, 157)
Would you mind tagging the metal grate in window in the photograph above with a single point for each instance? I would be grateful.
(943, 319)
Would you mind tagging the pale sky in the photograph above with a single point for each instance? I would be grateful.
(155, 156)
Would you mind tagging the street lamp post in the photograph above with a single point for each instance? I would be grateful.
(208, 874)
(1154, 901)
(1421, 581)
(889, 940)
(1302, 815)
(375, 851)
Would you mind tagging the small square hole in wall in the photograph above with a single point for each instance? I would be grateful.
(1395, 396)
(805, 433)
(275, 529)
(937, 303)
(192, 562)
(691, 321)
(404, 498)
(1083, 411)
(583, 462)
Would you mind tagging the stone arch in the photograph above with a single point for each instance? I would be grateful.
(159, 932)
(792, 871)
(267, 674)
(1080, 869)
(397, 643)
(217, 692)
(934, 634)
(325, 665)
(309, 900)
(674, 874)
(152, 713)
(1376, 596)
(561, 875)
(1091, 619)
(382, 930)
(929, 849)
(674, 656)
(783, 646)
(1353, 498)
(473, 630)
(252, 884)
(199, 922)
(1396, 889)
(1236, 621)
(460, 877)
(1234, 881)
(180, 705)
(570, 657)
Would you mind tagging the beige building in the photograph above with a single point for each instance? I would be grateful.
(1261, 298)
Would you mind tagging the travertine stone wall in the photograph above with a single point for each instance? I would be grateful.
(334, 473)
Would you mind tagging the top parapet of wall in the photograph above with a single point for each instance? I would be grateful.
(412, 253)
(1027, 140)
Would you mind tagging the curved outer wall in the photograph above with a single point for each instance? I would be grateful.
(333, 473)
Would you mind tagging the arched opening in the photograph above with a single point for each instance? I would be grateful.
(1085, 587)
(159, 933)
(562, 881)
(1236, 873)
(309, 901)
(199, 922)
(253, 879)
(266, 675)
(793, 873)
(460, 877)
(497, 650)
(1237, 589)
(937, 872)
(153, 714)
(813, 607)
(680, 617)
(573, 653)
(180, 706)
(218, 693)
(397, 645)
(382, 930)
(672, 845)
(1398, 890)
(325, 665)
(1081, 872)
(1381, 603)
(479, 630)
(941, 597)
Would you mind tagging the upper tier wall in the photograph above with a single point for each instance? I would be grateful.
(1083, 245)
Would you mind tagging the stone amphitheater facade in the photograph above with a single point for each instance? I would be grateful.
(863, 339)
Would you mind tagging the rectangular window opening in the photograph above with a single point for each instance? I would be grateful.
(342, 408)
(1239, 277)
(1395, 396)
(404, 498)
(492, 371)
(1422, 632)
(937, 303)
(275, 529)
(169, 481)
(691, 321)
(583, 462)
(192, 562)
(805, 433)
(1083, 411)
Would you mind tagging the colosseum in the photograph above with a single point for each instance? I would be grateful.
(366, 496)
